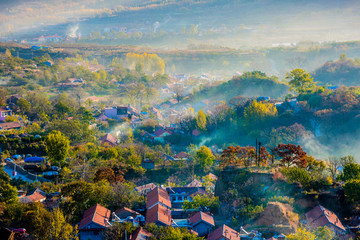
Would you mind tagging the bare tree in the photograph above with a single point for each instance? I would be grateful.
(333, 165)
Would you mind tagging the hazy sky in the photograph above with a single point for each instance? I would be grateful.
(275, 20)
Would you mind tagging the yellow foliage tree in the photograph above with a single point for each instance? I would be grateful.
(152, 63)
(259, 112)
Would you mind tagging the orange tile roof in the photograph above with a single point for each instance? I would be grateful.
(224, 232)
(36, 197)
(126, 212)
(158, 213)
(200, 216)
(156, 195)
(96, 214)
(140, 234)
(320, 216)
(109, 138)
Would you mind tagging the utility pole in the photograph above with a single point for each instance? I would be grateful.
(256, 151)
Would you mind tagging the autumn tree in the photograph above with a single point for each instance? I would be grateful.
(201, 120)
(258, 113)
(291, 154)
(204, 157)
(109, 175)
(300, 81)
(57, 147)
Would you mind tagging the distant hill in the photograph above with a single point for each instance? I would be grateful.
(343, 72)
(250, 84)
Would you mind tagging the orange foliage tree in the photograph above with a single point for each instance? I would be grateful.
(291, 154)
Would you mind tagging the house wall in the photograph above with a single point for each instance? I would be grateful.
(202, 228)
(111, 113)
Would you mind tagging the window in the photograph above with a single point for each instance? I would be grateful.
(179, 198)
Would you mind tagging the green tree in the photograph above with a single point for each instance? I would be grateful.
(351, 171)
(24, 105)
(300, 81)
(8, 193)
(301, 234)
(59, 228)
(324, 233)
(352, 190)
(205, 157)
(57, 147)
(202, 203)
(201, 120)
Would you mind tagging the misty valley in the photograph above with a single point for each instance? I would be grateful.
(189, 119)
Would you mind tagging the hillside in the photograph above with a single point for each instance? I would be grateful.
(250, 84)
(342, 72)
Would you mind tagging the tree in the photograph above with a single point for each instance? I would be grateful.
(8, 193)
(57, 147)
(109, 175)
(352, 190)
(301, 234)
(259, 113)
(291, 154)
(201, 120)
(333, 165)
(351, 171)
(24, 105)
(202, 203)
(205, 157)
(324, 233)
(59, 228)
(300, 81)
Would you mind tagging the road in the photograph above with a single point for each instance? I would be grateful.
(9, 171)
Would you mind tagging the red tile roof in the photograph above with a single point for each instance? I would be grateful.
(126, 212)
(96, 214)
(159, 132)
(224, 232)
(146, 187)
(9, 125)
(158, 213)
(157, 195)
(200, 216)
(140, 234)
(109, 138)
(196, 133)
(35, 197)
(182, 155)
(320, 216)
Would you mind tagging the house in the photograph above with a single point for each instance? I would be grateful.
(202, 223)
(148, 164)
(125, 212)
(110, 139)
(158, 196)
(48, 63)
(224, 233)
(160, 134)
(160, 215)
(12, 100)
(140, 234)
(118, 113)
(94, 221)
(194, 183)
(33, 198)
(320, 217)
(4, 112)
(127, 215)
(181, 156)
(144, 189)
(10, 125)
(179, 194)
(195, 133)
